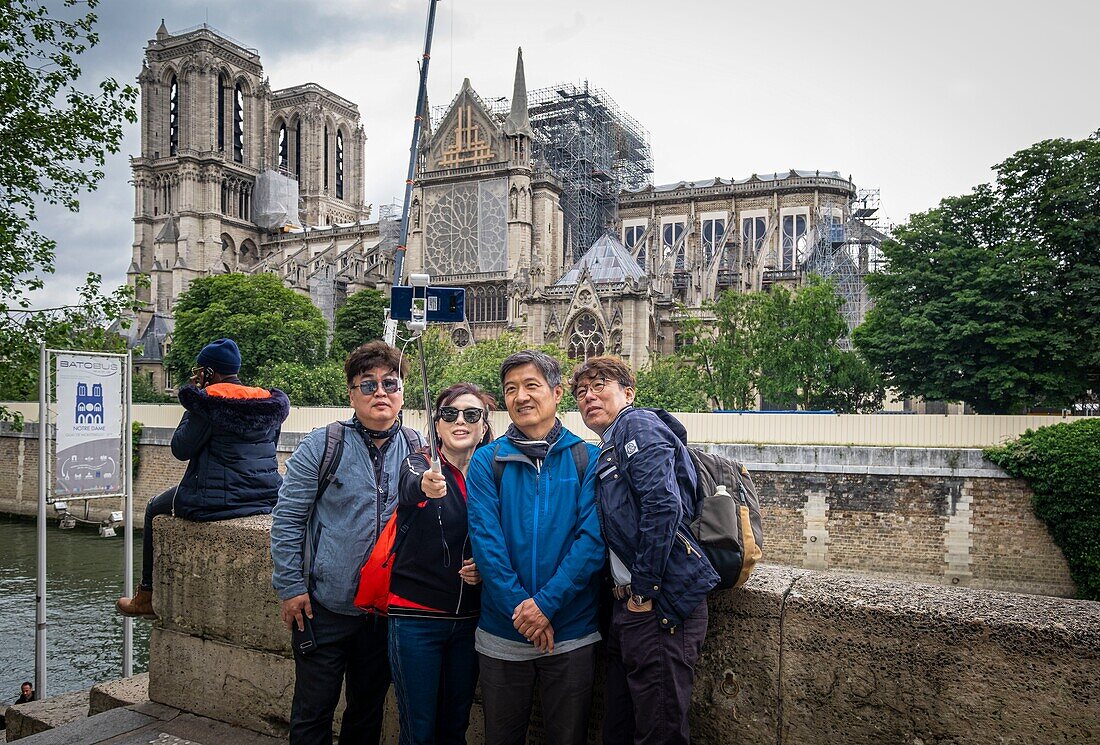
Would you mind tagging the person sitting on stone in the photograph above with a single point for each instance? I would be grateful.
(227, 435)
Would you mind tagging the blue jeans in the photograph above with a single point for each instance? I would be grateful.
(434, 673)
(158, 505)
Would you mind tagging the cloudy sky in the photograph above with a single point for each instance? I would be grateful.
(916, 99)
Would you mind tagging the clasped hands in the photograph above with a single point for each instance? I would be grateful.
(534, 625)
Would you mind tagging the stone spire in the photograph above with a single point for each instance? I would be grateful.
(517, 122)
(162, 32)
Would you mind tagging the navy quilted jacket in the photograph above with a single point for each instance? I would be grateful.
(228, 436)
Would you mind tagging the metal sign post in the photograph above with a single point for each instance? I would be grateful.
(92, 459)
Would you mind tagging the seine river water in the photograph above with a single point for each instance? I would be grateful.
(83, 581)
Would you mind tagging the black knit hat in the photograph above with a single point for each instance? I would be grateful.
(222, 356)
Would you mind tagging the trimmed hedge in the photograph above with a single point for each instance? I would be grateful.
(1061, 463)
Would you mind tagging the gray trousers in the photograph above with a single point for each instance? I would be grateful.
(565, 688)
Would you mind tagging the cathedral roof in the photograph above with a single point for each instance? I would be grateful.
(607, 261)
(756, 177)
(152, 339)
(170, 233)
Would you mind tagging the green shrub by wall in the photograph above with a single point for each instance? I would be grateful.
(1062, 465)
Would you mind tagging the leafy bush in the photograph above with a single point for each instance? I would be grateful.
(135, 451)
(143, 391)
(1060, 465)
(320, 385)
(673, 384)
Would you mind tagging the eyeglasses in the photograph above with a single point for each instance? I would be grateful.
(370, 385)
(450, 414)
(596, 386)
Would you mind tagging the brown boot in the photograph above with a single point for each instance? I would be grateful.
(139, 606)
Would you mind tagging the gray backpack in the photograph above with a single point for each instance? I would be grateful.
(727, 517)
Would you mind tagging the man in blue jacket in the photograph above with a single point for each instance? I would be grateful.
(645, 492)
(536, 540)
(337, 530)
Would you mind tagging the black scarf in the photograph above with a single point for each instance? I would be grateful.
(380, 435)
(534, 449)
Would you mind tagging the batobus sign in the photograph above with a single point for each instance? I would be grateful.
(89, 426)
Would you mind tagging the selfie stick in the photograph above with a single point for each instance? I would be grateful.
(418, 323)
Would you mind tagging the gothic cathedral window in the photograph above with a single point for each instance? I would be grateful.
(587, 339)
(339, 164)
(173, 116)
(284, 155)
(238, 124)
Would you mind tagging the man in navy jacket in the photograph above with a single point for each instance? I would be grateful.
(645, 493)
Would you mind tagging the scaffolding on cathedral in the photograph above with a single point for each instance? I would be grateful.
(595, 148)
(844, 252)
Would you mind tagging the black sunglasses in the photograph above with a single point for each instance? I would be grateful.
(450, 414)
(370, 385)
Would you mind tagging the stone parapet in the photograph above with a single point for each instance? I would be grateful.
(795, 656)
(943, 515)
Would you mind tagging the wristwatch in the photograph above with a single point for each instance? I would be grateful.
(638, 600)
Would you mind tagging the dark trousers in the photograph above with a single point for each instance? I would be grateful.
(565, 688)
(649, 677)
(434, 673)
(158, 505)
(351, 650)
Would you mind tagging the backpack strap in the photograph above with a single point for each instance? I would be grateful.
(580, 459)
(330, 459)
(498, 467)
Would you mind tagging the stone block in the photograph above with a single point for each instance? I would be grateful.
(736, 692)
(25, 720)
(867, 660)
(114, 694)
(214, 580)
(116, 726)
(246, 687)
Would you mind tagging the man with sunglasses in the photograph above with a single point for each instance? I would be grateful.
(336, 525)
(645, 492)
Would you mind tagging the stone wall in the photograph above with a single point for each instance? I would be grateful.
(933, 514)
(795, 656)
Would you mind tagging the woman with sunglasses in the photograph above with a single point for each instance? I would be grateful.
(434, 597)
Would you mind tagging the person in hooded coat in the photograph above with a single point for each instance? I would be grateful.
(227, 436)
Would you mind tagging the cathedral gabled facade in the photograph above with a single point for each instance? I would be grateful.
(489, 213)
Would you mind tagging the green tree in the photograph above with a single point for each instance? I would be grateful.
(969, 309)
(82, 327)
(439, 351)
(723, 351)
(796, 343)
(360, 319)
(853, 386)
(269, 322)
(319, 385)
(480, 364)
(1051, 195)
(145, 392)
(53, 136)
(53, 143)
(671, 383)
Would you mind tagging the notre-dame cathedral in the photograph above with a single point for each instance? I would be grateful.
(541, 207)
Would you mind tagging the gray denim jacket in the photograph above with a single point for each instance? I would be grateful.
(342, 526)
